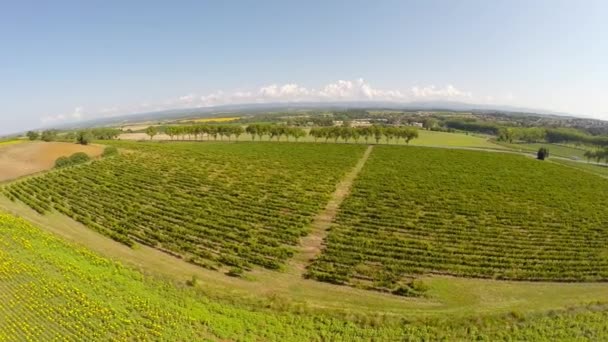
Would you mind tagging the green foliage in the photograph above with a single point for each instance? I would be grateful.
(542, 153)
(33, 135)
(84, 137)
(109, 151)
(194, 132)
(105, 133)
(74, 159)
(235, 272)
(474, 126)
(49, 135)
(62, 162)
(355, 133)
(152, 131)
(193, 199)
(59, 291)
(419, 211)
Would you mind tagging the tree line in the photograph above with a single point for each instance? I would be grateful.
(597, 155)
(278, 132)
(355, 133)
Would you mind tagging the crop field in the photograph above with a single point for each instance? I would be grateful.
(599, 169)
(214, 204)
(53, 290)
(445, 139)
(554, 149)
(21, 159)
(419, 211)
(11, 142)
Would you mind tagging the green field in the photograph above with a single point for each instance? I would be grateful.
(53, 290)
(417, 211)
(214, 204)
(554, 149)
(444, 139)
(599, 169)
(11, 142)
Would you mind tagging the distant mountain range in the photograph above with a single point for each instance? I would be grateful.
(290, 106)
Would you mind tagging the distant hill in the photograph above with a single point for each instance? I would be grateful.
(291, 106)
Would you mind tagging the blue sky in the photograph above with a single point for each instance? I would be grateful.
(66, 61)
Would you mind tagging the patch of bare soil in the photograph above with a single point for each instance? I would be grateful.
(24, 159)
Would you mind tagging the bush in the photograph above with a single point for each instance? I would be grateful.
(235, 272)
(79, 158)
(74, 159)
(84, 137)
(63, 162)
(109, 151)
(542, 154)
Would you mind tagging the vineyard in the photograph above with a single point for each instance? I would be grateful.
(419, 211)
(51, 290)
(216, 205)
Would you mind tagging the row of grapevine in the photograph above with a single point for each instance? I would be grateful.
(419, 211)
(235, 205)
(54, 291)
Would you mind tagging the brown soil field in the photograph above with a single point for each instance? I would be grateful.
(24, 159)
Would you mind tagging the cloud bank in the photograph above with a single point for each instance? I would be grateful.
(341, 90)
(357, 90)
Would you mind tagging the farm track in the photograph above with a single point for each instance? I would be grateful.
(311, 244)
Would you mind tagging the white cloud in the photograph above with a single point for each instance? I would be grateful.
(432, 92)
(341, 90)
(77, 114)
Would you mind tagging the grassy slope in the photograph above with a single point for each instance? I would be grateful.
(554, 149)
(12, 142)
(599, 169)
(425, 138)
(52, 290)
(431, 138)
(447, 295)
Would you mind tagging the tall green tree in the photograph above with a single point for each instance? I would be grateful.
(33, 135)
(152, 131)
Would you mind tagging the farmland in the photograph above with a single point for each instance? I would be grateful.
(599, 169)
(432, 138)
(417, 211)
(24, 158)
(216, 205)
(52, 290)
(554, 149)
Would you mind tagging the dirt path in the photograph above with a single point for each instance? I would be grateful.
(312, 243)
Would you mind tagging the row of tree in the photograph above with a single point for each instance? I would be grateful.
(526, 134)
(193, 132)
(272, 132)
(597, 155)
(355, 133)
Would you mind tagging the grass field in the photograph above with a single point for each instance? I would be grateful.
(554, 149)
(465, 213)
(217, 205)
(598, 169)
(425, 138)
(11, 142)
(444, 139)
(53, 290)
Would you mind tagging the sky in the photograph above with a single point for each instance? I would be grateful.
(68, 61)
